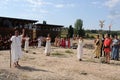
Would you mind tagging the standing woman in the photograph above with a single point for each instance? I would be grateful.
(16, 51)
(98, 45)
(80, 48)
(115, 48)
(26, 48)
(66, 42)
(107, 47)
(39, 41)
(58, 43)
(48, 45)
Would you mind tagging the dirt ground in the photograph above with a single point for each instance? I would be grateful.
(62, 64)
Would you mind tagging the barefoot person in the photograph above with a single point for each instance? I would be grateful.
(39, 41)
(98, 45)
(107, 47)
(80, 49)
(16, 50)
(48, 46)
(115, 48)
(26, 48)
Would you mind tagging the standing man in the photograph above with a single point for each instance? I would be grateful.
(16, 51)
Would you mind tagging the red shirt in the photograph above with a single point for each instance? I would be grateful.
(107, 44)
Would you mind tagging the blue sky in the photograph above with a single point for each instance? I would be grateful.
(65, 12)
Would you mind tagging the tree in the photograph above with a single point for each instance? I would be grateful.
(78, 24)
(70, 31)
(78, 27)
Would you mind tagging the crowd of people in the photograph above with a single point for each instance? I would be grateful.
(4, 42)
(63, 42)
(107, 47)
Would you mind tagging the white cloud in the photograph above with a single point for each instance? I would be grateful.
(59, 5)
(95, 2)
(111, 3)
(70, 5)
(64, 5)
(3, 3)
(114, 15)
(38, 3)
(44, 11)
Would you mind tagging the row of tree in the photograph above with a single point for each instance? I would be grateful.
(79, 30)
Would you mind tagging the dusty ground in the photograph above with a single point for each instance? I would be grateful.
(61, 65)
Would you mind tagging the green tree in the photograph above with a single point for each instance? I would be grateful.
(70, 31)
(78, 24)
(78, 28)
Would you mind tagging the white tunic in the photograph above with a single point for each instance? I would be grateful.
(48, 47)
(16, 50)
(26, 48)
(80, 49)
(66, 42)
(39, 42)
(71, 42)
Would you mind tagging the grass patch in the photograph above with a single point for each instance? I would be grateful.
(57, 54)
(69, 52)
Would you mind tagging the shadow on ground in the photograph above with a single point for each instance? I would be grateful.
(27, 68)
(112, 63)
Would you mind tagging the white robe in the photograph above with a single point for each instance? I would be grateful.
(48, 47)
(26, 48)
(39, 42)
(16, 50)
(80, 49)
(71, 42)
(66, 42)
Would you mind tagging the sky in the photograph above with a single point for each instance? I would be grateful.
(65, 12)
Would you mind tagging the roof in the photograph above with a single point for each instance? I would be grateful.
(52, 25)
(18, 19)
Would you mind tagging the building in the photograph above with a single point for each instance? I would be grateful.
(34, 30)
(8, 24)
(44, 29)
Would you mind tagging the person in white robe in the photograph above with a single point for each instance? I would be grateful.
(39, 41)
(80, 49)
(16, 51)
(48, 46)
(26, 47)
(66, 42)
(71, 42)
